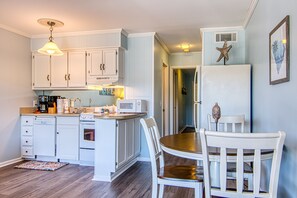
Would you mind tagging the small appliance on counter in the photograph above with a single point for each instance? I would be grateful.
(43, 103)
(52, 104)
(131, 106)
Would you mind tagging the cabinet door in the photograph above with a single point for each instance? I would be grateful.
(41, 70)
(129, 139)
(109, 62)
(77, 69)
(94, 63)
(67, 142)
(137, 136)
(59, 74)
(121, 143)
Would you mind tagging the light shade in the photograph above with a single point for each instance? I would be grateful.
(50, 48)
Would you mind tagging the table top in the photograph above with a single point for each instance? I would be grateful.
(188, 145)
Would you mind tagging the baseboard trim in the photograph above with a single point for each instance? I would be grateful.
(143, 159)
(9, 162)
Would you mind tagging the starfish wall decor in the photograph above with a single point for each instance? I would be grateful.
(224, 52)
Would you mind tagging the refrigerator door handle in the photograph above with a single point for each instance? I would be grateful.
(195, 122)
(195, 85)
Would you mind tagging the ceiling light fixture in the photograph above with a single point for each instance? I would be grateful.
(50, 48)
(185, 47)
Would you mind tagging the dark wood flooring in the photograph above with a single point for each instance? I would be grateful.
(74, 181)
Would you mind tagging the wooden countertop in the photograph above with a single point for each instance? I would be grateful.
(120, 116)
(29, 111)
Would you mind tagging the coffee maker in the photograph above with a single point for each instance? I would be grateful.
(43, 103)
(53, 100)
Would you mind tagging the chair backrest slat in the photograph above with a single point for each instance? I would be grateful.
(255, 143)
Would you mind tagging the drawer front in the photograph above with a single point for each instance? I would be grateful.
(27, 130)
(68, 120)
(27, 141)
(27, 120)
(27, 150)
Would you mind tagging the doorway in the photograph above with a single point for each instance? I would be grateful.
(181, 98)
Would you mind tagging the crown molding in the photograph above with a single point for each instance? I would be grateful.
(251, 10)
(65, 34)
(141, 34)
(162, 43)
(221, 29)
(13, 30)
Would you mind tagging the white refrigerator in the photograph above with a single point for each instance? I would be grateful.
(229, 86)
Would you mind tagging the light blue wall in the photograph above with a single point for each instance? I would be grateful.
(211, 54)
(85, 96)
(15, 89)
(274, 106)
(160, 57)
(185, 59)
(139, 71)
(189, 98)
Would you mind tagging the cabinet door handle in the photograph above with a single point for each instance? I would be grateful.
(100, 66)
(103, 66)
(57, 132)
(65, 76)
(26, 151)
(26, 131)
(26, 141)
(47, 77)
(68, 76)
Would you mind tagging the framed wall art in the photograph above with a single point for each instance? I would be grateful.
(279, 53)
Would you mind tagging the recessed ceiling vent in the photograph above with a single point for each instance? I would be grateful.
(225, 36)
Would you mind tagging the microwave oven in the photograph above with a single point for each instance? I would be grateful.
(131, 106)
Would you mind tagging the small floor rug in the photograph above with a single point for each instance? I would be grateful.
(38, 165)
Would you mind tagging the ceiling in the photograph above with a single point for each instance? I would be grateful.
(175, 21)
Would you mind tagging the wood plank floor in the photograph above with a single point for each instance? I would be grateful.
(74, 181)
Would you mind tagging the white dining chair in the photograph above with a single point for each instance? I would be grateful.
(257, 142)
(182, 176)
(235, 124)
(232, 123)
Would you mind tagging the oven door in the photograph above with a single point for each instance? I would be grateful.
(87, 135)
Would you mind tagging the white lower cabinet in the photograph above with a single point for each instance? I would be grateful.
(116, 148)
(27, 136)
(67, 138)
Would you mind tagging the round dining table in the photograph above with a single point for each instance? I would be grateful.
(188, 145)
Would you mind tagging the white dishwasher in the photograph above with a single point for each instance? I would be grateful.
(44, 136)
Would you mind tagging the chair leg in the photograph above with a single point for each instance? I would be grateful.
(154, 190)
(199, 190)
(161, 190)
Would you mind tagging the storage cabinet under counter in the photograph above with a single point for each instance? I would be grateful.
(117, 145)
(27, 136)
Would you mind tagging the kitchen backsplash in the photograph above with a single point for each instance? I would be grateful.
(87, 97)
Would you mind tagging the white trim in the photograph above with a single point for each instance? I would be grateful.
(222, 29)
(144, 159)
(171, 122)
(13, 30)
(9, 162)
(141, 34)
(250, 13)
(153, 76)
(202, 41)
(65, 34)
(162, 43)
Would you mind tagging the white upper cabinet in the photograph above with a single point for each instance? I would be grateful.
(104, 66)
(77, 69)
(109, 62)
(41, 71)
(59, 74)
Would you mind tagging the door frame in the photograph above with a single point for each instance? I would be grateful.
(171, 91)
(165, 99)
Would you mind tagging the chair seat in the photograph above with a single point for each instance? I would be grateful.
(231, 167)
(184, 173)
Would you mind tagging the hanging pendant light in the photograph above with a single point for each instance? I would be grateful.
(50, 48)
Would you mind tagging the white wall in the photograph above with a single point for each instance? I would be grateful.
(185, 59)
(274, 106)
(139, 71)
(15, 89)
